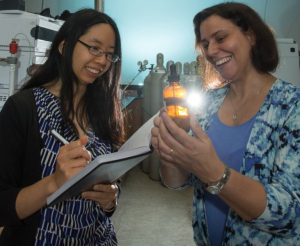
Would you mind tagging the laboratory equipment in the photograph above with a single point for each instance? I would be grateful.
(156, 88)
(193, 82)
(156, 104)
(12, 61)
(179, 69)
(146, 105)
(175, 100)
(288, 69)
(146, 113)
(12, 4)
(186, 73)
(141, 69)
(200, 60)
(33, 33)
(164, 79)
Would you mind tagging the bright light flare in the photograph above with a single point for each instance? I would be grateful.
(195, 100)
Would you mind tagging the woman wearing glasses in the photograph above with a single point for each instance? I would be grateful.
(75, 93)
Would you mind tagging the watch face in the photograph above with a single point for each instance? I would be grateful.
(213, 190)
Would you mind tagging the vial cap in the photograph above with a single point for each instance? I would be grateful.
(173, 77)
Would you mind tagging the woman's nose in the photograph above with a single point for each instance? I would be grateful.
(212, 49)
(101, 59)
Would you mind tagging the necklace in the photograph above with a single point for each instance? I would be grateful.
(234, 117)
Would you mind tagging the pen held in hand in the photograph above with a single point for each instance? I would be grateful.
(62, 140)
(58, 136)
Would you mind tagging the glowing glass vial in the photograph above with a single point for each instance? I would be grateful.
(175, 100)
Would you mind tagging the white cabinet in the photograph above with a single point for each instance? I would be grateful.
(288, 69)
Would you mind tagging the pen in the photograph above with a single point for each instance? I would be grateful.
(58, 136)
(64, 141)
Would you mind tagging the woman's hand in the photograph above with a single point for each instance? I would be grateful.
(156, 141)
(72, 158)
(194, 154)
(105, 194)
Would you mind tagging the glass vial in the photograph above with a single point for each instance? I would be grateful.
(175, 100)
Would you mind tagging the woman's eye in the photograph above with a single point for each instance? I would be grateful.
(94, 49)
(220, 39)
(205, 46)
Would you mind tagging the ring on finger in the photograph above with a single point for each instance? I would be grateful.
(171, 152)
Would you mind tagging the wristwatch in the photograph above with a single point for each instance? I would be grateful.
(216, 187)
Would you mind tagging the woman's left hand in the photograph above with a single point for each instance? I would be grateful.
(104, 194)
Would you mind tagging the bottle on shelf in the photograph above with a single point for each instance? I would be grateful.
(175, 100)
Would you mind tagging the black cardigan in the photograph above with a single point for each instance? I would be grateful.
(20, 165)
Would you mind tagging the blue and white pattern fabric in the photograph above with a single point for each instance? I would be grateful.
(272, 157)
(76, 221)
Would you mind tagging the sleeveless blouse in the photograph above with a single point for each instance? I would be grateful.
(230, 144)
(76, 221)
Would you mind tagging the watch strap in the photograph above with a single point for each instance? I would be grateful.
(216, 187)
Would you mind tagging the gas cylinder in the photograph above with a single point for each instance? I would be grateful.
(146, 113)
(200, 60)
(186, 73)
(156, 91)
(193, 82)
(179, 70)
(156, 103)
(164, 80)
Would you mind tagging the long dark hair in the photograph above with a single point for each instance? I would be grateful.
(264, 55)
(99, 106)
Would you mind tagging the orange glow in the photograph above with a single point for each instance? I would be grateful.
(176, 104)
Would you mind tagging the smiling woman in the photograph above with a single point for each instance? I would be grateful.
(75, 93)
(242, 142)
(94, 61)
(263, 54)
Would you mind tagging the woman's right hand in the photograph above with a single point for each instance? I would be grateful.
(72, 158)
(173, 175)
(156, 141)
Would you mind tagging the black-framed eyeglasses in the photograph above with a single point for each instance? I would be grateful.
(96, 51)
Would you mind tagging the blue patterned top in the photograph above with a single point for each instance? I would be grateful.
(76, 221)
(272, 157)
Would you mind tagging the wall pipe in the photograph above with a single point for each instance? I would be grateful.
(12, 70)
(99, 5)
